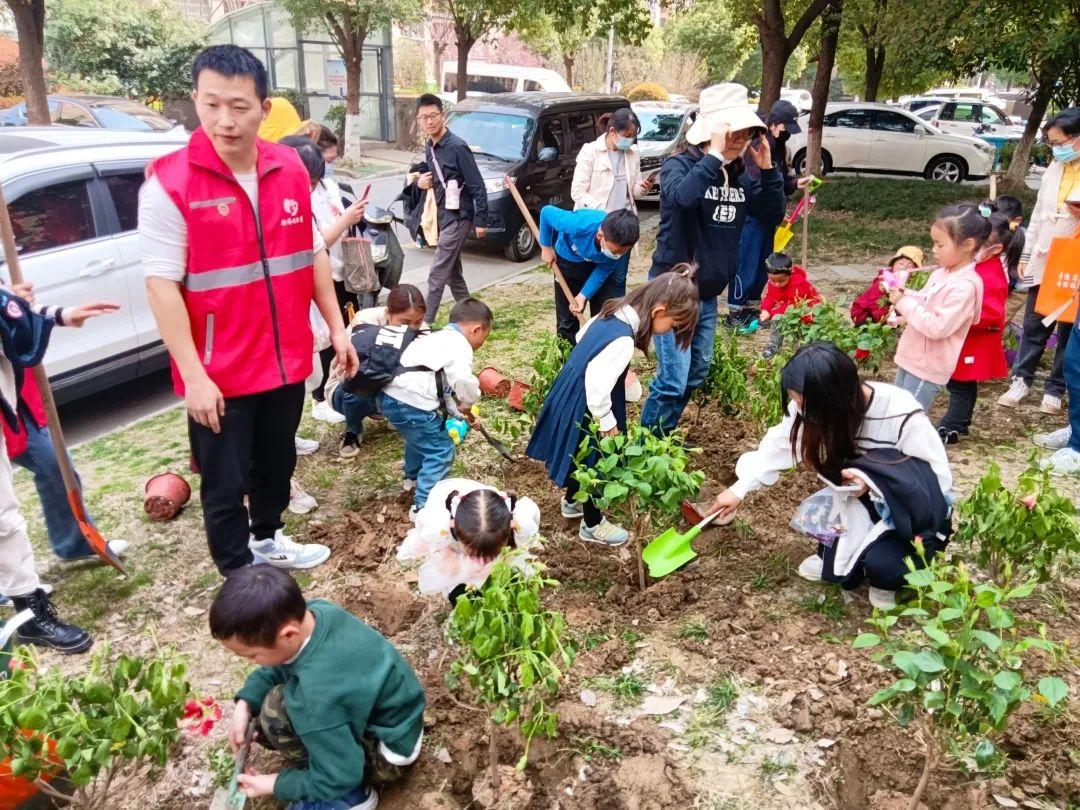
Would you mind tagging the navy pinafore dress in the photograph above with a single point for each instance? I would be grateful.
(558, 432)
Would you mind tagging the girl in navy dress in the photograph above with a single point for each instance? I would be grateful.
(593, 379)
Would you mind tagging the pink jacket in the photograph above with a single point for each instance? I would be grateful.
(938, 318)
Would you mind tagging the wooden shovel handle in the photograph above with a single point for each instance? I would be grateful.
(512, 186)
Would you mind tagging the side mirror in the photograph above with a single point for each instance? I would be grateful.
(548, 154)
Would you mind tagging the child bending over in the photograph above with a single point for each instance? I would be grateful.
(331, 695)
(787, 287)
(461, 531)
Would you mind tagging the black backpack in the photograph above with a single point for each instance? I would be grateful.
(379, 349)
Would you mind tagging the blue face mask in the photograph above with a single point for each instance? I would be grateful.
(1066, 152)
(608, 253)
(623, 143)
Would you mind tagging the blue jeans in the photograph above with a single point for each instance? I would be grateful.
(350, 799)
(1072, 383)
(65, 536)
(679, 371)
(750, 277)
(354, 407)
(429, 450)
(924, 391)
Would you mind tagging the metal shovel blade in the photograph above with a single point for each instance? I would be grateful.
(228, 798)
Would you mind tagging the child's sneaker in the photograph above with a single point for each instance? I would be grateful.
(408, 484)
(413, 512)
(810, 569)
(605, 532)
(1065, 461)
(1053, 441)
(305, 447)
(1050, 404)
(1016, 393)
(571, 510)
(324, 412)
(350, 445)
(281, 551)
(948, 436)
(882, 599)
(300, 503)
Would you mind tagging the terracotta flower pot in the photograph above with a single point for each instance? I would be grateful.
(516, 399)
(494, 384)
(166, 494)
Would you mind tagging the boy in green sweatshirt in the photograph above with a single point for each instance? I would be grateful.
(331, 695)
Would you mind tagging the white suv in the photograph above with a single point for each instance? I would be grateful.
(73, 197)
(876, 138)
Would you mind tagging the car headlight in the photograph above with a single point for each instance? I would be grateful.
(378, 253)
(495, 184)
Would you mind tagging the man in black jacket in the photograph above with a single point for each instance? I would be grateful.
(461, 197)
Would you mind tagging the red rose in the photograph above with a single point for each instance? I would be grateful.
(808, 317)
(862, 354)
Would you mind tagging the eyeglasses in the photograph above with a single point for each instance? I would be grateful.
(430, 116)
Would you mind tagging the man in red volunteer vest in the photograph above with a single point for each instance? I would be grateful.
(233, 262)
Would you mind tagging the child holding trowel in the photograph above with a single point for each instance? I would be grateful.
(331, 695)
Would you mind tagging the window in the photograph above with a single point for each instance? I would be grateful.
(657, 125)
(532, 86)
(853, 119)
(124, 189)
(503, 136)
(962, 111)
(489, 84)
(893, 122)
(582, 130)
(991, 115)
(130, 116)
(52, 217)
(552, 134)
(285, 73)
(73, 116)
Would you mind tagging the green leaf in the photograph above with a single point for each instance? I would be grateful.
(905, 661)
(1053, 689)
(614, 490)
(989, 640)
(937, 634)
(1007, 680)
(999, 704)
(934, 700)
(866, 640)
(883, 695)
(929, 661)
(905, 685)
(922, 578)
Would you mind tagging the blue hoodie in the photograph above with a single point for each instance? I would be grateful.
(702, 214)
(573, 235)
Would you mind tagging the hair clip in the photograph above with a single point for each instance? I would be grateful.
(505, 500)
(984, 209)
(1013, 226)
(455, 502)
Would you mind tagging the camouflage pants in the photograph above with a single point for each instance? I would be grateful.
(277, 733)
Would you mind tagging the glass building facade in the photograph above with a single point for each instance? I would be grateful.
(308, 62)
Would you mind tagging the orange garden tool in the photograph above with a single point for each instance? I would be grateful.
(784, 232)
(67, 471)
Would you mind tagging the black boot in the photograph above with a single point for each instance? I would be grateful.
(45, 629)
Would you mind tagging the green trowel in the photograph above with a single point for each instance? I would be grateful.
(672, 550)
(233, 798)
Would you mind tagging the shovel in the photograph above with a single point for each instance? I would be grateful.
(672, 550)
(233, 798)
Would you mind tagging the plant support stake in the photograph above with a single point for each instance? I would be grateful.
(67, 471)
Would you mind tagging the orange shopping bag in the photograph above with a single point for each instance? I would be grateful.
(1057, 294)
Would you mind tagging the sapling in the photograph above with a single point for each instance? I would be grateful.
(640, 475)
(959, 652)
(1029, 527)
(104, 728)
(514, 652)
(869, 343)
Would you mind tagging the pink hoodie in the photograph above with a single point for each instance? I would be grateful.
(938, 318)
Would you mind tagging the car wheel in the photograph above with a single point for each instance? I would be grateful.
(948, 168)
(522, 246)
(798, 165)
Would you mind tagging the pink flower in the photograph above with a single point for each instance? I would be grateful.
(201, 715)
(1029, 501)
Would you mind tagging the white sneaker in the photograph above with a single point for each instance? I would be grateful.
(413, 512)
(408, 484)
(370, 803)
(882, 599)
(1065, 461)
(605, 532)
(305, 447)
(281, 551)
(1050, 405)
(116, 546)
(324, 412)
(1053, 441)
(810, 569)
(1017, 391)
(300, 503)
(571, 510)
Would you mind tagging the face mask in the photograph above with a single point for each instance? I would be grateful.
(783, 137)
(623, 143)
(608, 253)
(1066, 152)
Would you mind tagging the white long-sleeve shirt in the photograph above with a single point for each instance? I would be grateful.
(605, 369)
(893, 420)
(446, 349)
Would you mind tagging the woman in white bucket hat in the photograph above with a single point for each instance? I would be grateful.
(705, 197)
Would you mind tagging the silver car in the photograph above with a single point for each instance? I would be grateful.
(663, 132)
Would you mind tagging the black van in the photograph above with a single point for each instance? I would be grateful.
(534, 138)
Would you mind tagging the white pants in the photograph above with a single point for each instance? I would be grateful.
(18, 573)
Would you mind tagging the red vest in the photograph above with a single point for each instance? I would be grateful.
(983, 355)
(248, 296)
(29, 401)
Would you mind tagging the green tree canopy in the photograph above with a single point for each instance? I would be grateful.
(711, 30)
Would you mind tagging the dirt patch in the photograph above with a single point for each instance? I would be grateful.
(389, 607)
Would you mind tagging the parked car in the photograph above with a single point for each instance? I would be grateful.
(978, 118)
(870, 137)
(800, 98)
(663, 132)
(485, 78)
(73, 197)
(96, 112)
(534, 138)
(921, 102)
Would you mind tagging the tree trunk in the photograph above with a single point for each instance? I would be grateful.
(875, 67)
(350, 32)
(465, 40)
(439, 50)
(830, 33)
(493, 755)
(30, 25)
(1016, 175)
(568, 68)
(930, 761)
(770, 24)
